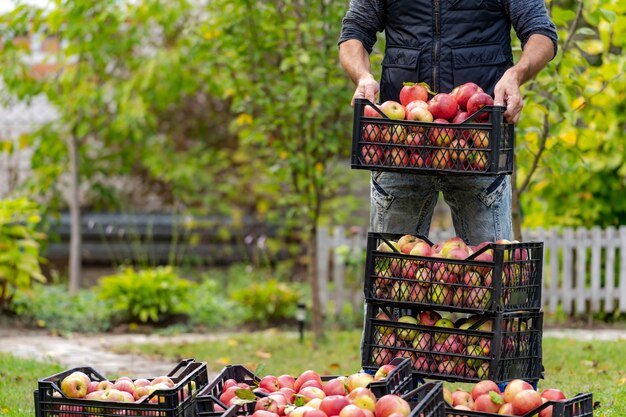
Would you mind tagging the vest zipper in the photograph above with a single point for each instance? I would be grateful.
(436, 47)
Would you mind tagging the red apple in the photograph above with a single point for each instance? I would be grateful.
(93, 386)
(420, 159)
(460, 152)
(429, 317)
(464, 93)
(372, 154)
(407, 242)
(360, 379)
(440, 135)
(351, 410)
(113, 395)
(228, 383)
(484, 387)
(419, 112)
(264, 413)
(336, 386)
(372, 133)
(460, 397)
(228, 394)
(553, 394)
(393, 110)
(311, 392)
(389, 404)
(443, 106)
(421, 248)
(507, 409)
(369, 111)
(485, 403)
(315, 413)
(383, 371)
(513, 387)
(312, 383)
(525, 401)
(333, 404)
(163, 379)
(397, 157)
(441, 159)
(477, 101)
(286, 381)
(412, 91)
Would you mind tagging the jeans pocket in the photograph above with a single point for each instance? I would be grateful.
(493, 193)
(380, 197)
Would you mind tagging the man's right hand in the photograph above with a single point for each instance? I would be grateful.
(366, 88)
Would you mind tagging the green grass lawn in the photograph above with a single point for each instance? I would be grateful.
(573, 366)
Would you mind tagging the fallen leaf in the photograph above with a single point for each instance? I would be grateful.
(263, 355)
(223, 361)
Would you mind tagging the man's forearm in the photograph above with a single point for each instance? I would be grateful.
(538, 51)
(355, 60)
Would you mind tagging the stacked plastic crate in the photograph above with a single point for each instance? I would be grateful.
(457, 319)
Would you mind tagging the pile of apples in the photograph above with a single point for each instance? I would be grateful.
(441, 280)
(442, 350)
(519, 398)
(308, 396)
(122, 390)
(438, 147)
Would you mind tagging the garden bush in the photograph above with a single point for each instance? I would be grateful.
(267, 302)
(147, 295)
(211, 308)
(50, 307)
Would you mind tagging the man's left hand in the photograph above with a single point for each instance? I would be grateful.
(507, 93)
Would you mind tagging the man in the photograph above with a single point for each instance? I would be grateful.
(446, 43)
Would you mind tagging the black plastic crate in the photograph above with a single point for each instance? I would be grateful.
(580, 405)
(398, 381)
(189, 376)
(427, 400)
(509, 281)
(472, 147)
(500, 347)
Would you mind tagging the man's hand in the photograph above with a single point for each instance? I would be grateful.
(507, 93)
(367, 88)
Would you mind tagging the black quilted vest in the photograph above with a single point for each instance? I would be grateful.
(445, 43)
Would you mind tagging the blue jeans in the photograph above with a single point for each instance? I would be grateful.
(404, 203)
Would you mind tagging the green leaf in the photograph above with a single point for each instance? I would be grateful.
(299, 400)
(496, 398)
(245, 394)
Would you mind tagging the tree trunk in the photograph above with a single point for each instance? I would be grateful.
(515, 207)
(317, 324)
(74, 203)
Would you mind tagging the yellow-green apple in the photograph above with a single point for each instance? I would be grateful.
(419, 112)
(428, 317)
(477, 101)
(363, 397)
(483, 371)
(411, 91)
(130, 398)
(406, 243)
(507, 409)
(315, 403)
(75, 386)
(113, 395)
(333, 404)
(477, 297)
(393, 110)
(488, 403)
(422, 341)
(474, 353)
(461, 397)
(464, 92)
(443, 323)
(336, 386)
(270, 383)
(400, 291)
(372, 154)
(553, 394)
(447, 395)
(383, 371)
(384, 247)
(390, 404)
(513, 387)
(443, 106)
(526, 401)
(394, 134)
(351, 410)
(484, 387)
(453, 243)
(479, 160)
(440, 135)
(440, 294)
(142, 391)
(359, 379)
(407, 334)
(308, 393)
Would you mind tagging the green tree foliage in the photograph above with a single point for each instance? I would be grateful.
(571, 156)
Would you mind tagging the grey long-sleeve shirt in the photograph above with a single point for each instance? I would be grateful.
(367, 17)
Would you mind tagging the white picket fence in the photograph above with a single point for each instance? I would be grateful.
(584, 270)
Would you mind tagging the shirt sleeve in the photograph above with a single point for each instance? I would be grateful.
(363, 20)
(529, 17)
